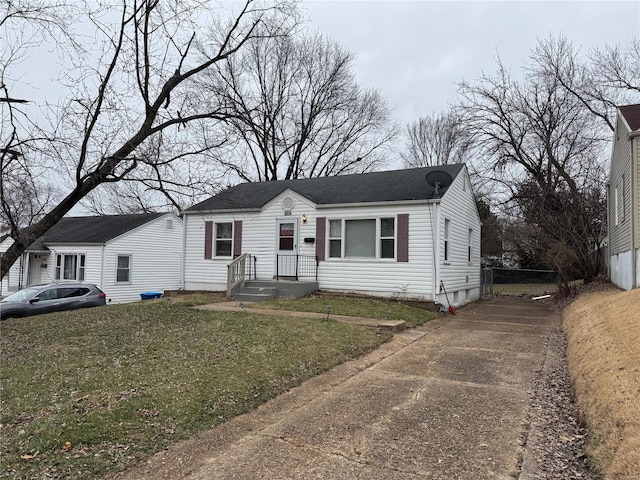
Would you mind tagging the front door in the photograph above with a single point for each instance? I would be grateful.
(287, 247)
(34, 274)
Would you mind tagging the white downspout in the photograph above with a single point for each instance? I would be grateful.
(435, 228)
(634, 200)
(183, 254)
(101, 286)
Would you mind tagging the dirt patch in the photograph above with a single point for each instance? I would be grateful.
(603, 330)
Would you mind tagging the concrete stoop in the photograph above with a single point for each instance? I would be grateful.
(261, 290)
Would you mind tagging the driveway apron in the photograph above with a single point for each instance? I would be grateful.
(445, 401)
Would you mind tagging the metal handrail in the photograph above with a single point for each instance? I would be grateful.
(305, 266)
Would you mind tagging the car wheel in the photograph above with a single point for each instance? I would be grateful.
(10, 315)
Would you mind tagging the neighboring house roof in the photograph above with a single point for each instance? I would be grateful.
(631, 115)
(388, 186)
(98, 229)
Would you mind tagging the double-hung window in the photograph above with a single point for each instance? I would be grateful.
(335, 238)
(362, 238)
(387, 237)
(223, 239)
(70, 267)
(123, 269)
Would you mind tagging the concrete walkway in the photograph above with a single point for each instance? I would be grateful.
(445, 401)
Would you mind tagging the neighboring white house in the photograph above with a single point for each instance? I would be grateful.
(624, 200)
(393, 233)
(124, 255)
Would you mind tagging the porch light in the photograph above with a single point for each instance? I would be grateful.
(304, 218)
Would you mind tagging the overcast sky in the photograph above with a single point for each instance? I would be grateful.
(416, 51)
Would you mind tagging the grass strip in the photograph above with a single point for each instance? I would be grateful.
(355, 307)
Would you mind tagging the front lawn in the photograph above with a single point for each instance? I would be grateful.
(90, 392)
(355, 307)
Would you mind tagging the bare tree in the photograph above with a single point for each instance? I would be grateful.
(24, 26)
(606, 78)
(297, 111)
(439, 139)
(537, 133)
(140, 87)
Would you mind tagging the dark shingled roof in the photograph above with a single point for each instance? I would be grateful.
(631, 114)
(95, 229)
(99, 229)
(389, 186)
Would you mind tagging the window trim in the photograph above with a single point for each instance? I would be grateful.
(80, 268)
(128, 269)
(470, 247)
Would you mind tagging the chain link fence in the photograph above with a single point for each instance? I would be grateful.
(492, 276)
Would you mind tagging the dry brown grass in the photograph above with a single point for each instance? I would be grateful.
(603, 329)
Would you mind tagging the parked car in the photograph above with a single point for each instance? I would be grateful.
(55, 297)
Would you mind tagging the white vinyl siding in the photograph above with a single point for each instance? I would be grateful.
(365, 275)
(362, 274)
(154, 250)
(460, 275)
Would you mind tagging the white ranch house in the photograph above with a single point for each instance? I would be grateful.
(624, 200)
(389, 233)
(124, 255)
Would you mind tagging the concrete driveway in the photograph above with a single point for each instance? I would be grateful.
(445, 401)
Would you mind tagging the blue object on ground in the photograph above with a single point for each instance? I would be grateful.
(150, 295)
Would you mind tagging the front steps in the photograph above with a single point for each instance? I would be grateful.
(260, 290)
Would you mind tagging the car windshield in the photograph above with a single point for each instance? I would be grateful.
(21, 295)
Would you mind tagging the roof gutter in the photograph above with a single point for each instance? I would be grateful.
(378, 204)
(221, 210)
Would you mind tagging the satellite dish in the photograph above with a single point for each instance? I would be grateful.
(438, 179)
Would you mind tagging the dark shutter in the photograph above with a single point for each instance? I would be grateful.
(208, 239)
(237, 238)
(321, 228)
(403, 237)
